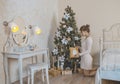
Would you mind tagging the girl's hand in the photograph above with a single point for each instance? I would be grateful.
(80, 54)
(78, 48)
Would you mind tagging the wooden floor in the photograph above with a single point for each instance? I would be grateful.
(68, 79)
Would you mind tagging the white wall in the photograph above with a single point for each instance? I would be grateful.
(35, 12)
(98, 13)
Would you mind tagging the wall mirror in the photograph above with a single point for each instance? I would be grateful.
(20, 36)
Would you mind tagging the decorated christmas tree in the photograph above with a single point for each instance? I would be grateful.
(66, 36)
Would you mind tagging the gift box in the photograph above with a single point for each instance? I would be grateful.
(74, 52)
(66, 72)
(54, 72)
(80, 70)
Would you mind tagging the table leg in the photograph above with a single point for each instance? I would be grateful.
(20, 70)
(32, 59)
(36, 59)
(46, 57)
(7, 78)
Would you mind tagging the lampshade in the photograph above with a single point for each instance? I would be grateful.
(37, 30)
(14, 27)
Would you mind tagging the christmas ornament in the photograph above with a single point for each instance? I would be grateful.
(69, 29)
(55, 51)
(69, 39)
(66, 16)
(58, 34)
(64, 41)
(76, 38)
(64, 26)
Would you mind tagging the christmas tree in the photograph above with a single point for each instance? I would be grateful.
(66, 36)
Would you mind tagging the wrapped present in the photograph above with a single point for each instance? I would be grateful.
(74, 52)
(66, 72)
(80, 70)
(54, 72)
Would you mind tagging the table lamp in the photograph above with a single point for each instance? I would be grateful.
(14, 27)
(35, 31)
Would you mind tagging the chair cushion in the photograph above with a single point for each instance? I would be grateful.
(38, 66)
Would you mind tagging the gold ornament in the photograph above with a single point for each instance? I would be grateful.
(69, 39)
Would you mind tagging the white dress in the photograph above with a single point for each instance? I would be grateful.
(86, 58)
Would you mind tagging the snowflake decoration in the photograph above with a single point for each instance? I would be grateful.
(58, 34)
(66, 16)
(76, 38)
(55, 51)
(61, 58)
(64, 41)
(69, 29)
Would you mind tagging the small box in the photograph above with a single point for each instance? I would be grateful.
(80, 70)
(66, 72)
(53, 72)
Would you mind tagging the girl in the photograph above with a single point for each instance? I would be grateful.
(86, 46)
